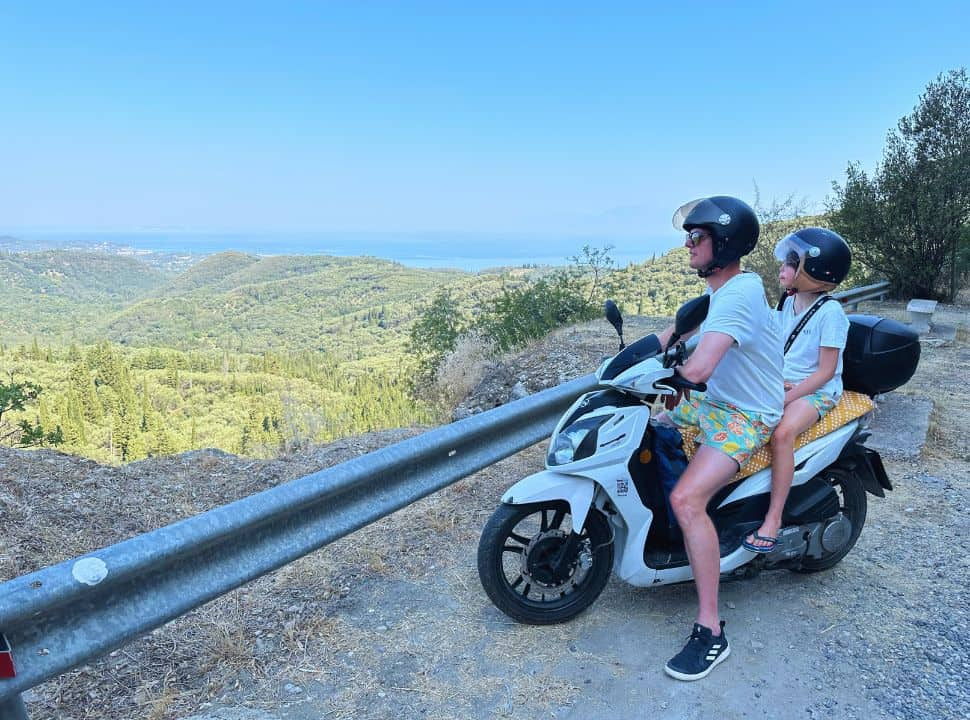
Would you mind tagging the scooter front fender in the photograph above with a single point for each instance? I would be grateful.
(550, 485)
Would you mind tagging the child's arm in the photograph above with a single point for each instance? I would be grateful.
(828, 360)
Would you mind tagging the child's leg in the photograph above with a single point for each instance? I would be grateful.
(799, 416)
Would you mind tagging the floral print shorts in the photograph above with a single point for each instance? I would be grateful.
(823, 402)
(735, 432)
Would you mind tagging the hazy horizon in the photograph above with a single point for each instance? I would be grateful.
(471, 251)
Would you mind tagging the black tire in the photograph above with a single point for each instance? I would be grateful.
(516, 556)
(853, 503)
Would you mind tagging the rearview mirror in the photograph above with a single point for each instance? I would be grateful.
(613, 315)
(616, 320)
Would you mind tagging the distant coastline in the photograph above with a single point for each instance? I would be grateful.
(472, 252)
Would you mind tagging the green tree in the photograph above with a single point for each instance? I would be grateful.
(594, 265)
(436, 333)
(15, 397)
(907, 218)
(521, 314)
(80, 382)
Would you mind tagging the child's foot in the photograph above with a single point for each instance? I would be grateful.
(763, 540)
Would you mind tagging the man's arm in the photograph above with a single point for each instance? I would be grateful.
(712, 347)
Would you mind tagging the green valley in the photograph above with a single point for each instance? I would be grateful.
(259, 355)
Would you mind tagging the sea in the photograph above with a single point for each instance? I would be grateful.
(468, 251)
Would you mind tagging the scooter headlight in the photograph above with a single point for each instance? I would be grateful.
(577, 441)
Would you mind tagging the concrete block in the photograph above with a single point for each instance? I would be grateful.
(920, 313)
(899, 426)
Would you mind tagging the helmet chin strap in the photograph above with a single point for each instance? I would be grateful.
(709, 270)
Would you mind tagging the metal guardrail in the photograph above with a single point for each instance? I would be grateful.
(852, 298)
(60, 617)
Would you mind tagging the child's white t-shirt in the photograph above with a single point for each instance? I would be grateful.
(828, 327)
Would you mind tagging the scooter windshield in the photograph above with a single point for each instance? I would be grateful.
(645, 347)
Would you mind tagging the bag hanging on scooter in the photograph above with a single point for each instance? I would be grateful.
(671, 463)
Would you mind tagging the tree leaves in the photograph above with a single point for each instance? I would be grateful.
(908, 218)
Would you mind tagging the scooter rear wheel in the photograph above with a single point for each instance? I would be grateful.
(853, 504)
(520, 568)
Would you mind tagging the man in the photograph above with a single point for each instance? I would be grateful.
(739, 356)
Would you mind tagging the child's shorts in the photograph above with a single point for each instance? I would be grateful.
(735, 432)
(822, 402)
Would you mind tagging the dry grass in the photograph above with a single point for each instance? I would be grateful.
(936, 435)
(158, 707)
(462, 370)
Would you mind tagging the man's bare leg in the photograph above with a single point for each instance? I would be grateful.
(708, 471)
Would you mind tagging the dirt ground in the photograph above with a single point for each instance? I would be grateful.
(391, 622)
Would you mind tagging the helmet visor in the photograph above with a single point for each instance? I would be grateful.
(703, 211)
(792, 250)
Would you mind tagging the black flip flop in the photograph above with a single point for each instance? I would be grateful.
(760, 549)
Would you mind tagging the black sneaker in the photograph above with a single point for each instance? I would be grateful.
(701, 653)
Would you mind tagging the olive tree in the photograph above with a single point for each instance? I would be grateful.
(907, 218)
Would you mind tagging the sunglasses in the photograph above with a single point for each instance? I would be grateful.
(696, 237)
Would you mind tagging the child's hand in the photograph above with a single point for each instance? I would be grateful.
(788, 385)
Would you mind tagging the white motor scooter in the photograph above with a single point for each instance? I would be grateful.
(601, 505)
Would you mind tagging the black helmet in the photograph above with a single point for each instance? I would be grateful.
(731, 222)
(823, 258)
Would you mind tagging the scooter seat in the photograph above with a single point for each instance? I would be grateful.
(850, 406)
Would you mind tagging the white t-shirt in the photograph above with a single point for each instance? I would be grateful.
(749, 375)
(828, 327)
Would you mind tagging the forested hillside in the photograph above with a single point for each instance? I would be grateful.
(118, 404)
(60, 293)
(256, 355)
(284, 303)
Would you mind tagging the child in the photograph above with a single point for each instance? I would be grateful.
(814, 329)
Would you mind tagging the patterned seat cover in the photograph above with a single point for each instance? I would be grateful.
(851, 405)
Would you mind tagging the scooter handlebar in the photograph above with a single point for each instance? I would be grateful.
(679, 382)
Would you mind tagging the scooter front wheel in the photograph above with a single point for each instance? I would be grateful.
(522, 565)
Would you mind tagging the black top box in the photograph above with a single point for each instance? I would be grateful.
(880, 355)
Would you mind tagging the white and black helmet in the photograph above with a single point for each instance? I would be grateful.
(732, 223)
(823, 258)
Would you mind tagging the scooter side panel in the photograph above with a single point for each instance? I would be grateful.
(635, 519)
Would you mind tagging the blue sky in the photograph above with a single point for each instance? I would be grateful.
(542, 117)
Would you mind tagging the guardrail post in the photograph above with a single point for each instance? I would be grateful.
(13, 708)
